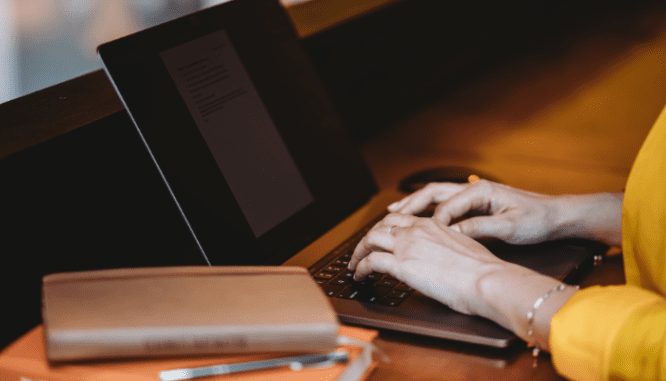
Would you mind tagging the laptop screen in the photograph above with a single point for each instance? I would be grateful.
(241, 129)
(238, 130)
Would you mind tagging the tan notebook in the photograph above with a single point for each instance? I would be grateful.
(185, 311)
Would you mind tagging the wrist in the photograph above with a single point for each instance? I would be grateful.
(595, 217)
(511, 294)
(541, 314)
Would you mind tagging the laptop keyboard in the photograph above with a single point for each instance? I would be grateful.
(337, 281)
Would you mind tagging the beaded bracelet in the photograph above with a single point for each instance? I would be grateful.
(530, 317)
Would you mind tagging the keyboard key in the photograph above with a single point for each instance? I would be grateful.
(324, 275)
(372, 294)
(334, 268)
(404, 287)
(341, 262)
(347, 274)
(349, 293)
(341, 281)
(321, 281)
(375, 276)
(391, 302)
(363, 283)
(332, 289)
(387, 282)
(398, 294)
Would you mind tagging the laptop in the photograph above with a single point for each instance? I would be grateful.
(263, 171)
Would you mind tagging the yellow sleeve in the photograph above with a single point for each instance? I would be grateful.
(644, 214)
(619, 332)
(613, 332)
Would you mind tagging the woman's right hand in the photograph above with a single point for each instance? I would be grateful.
(485, 209)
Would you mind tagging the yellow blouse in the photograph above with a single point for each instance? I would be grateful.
(619, 332)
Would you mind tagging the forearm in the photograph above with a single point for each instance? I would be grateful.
(510, 294)
(595, 216)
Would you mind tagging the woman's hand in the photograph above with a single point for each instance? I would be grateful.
(486, 209)
(457, 271)
(430, 257)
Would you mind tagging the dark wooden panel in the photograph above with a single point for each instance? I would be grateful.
(51, 112)
(88, 199)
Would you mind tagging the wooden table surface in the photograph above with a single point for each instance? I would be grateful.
(553, 121)
(569, 120)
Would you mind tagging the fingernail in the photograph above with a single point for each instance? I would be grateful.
(455, 227)
(392, 206)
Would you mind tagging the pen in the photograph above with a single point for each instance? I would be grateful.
(294, 362)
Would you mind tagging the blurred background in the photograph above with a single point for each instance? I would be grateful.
(375, 67)
(45, 42)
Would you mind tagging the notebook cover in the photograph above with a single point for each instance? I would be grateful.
(185, 311)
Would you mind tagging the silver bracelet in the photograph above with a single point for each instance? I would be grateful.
(530, 317)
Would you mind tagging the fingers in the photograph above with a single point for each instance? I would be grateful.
(380, 238)
(377, 262)
(421, 199)
(377, 239)
(475, 198)
(485, 227)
